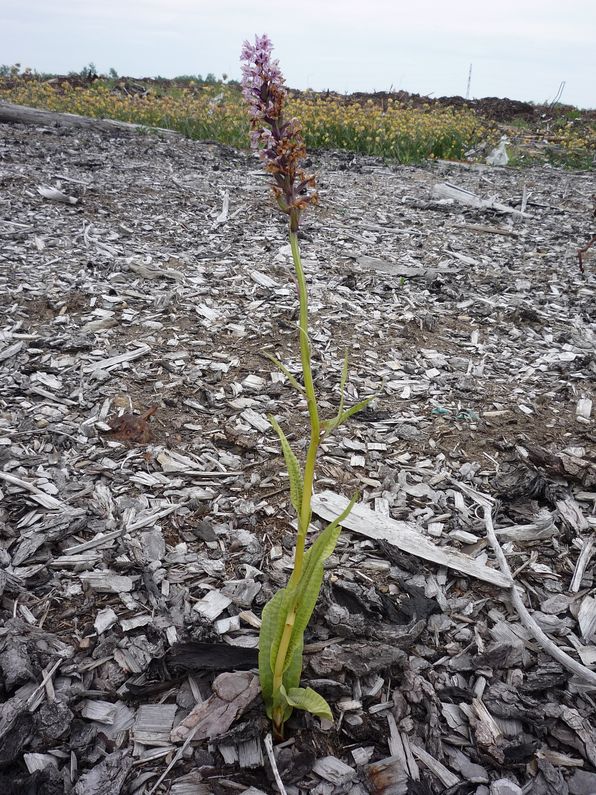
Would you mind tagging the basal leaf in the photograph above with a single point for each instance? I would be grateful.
(309, 585)
(270, 619)
(305, 595)
(273, 621)
(309, 700)
(291, 679)
(292, 465)
(309, 593)
(293, 672)
(280, 703)
(297, 603)
(286, 602)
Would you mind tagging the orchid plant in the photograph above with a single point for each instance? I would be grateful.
(286, 615)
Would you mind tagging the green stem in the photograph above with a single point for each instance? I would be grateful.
(308, 480)
(313, 413)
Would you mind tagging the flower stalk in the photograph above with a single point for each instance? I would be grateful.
(313, 411)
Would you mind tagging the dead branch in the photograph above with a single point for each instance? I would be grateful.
(526, 619)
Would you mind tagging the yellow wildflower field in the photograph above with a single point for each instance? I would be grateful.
(217, 112)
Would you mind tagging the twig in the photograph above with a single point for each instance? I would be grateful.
(526, 619)
(582, 251)
(273, 763)
(48, 674)
(495, 230)
(51, 502)
(177, 757)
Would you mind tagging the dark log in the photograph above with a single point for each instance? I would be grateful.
(23, 114)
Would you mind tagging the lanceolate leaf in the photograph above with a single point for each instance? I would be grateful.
(308, 699)
(286, 607)
(292, 464)
(342, 415)
(291, 677)
(309, 585)
(296, 384)
(309, 592)
(345, 415)
(325, 542)
(280, 701)
(294, 670)
(270, 619)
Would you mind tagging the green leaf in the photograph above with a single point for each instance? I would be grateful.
(274, 619)
(309, 700)
(292, 465)
(340, 419)
(304, 336)
(293, 672)
(342, 415)
(291, 679)
(280, 703)
(339, 519)
(308, 592)
(329, 425)
(285, 597)
(309, 585)
(301, 601)
(296, 384)
(270, 619)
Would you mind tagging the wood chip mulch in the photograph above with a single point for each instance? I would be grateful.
(144, 510)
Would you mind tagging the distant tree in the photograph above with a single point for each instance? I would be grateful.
(10, 71)
(88, 71)
(113, 73)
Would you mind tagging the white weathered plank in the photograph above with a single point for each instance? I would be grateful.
(404, 535)
(112, 361)
(445, 190)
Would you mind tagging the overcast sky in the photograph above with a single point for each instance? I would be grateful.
(522, 49)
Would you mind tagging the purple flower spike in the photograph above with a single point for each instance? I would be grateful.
(280, 143)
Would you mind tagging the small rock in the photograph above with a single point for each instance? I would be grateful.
(408, 433)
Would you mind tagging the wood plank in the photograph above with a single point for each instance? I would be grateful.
(404, 535)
